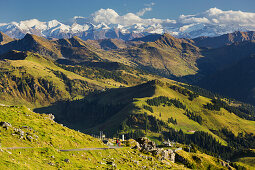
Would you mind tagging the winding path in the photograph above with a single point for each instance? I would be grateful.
(70, 150)
(89, 149)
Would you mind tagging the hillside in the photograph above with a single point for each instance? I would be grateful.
(28, 78)
(164, 55)
(35, 80)
(226, 39)
(167, 56)
(32, 43)
(100, 88)
(42, 138)
(236, 81)
(4, 39)
(155, 109)
(227, 70)
(34, 141)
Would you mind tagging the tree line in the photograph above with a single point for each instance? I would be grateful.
(185, 92)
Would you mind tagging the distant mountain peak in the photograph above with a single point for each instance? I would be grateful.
(107, 23)
(225, 39)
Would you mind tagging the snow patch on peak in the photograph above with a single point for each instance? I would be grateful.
(76, 28)
(33, 23)
(53, 23)
(212, 22)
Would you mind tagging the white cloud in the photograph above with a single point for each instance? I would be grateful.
(220, 17)
(109, 16)
(150, 4)
(143, 11)
(211, 22)
(227, 21)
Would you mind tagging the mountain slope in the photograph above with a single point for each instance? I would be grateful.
(34, 141)
(236, 81)
(226, 39)
(41, 139)
(29, 78)
(35, 80)
(217, 59)
(167, 56)
(157, 109)
(32, 43)
(4, 39)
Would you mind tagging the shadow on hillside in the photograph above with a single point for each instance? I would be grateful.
(96, 109)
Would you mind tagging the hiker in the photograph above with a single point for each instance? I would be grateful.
(117, 142)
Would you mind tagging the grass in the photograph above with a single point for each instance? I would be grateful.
(48, 158)
(45, 154)
(37, 67)
(211, 120)
(200, 160)
(247, 162)
(49, 133)
(52, 136)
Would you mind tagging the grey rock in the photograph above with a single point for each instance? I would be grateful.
(67, 160)
(30, 138)
(19, 132)
(50, 163)
(5, 125)
(51, 116)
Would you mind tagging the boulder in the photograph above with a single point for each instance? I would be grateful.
(5, 125)
(67, 160)
(19, 132)
(30, 138)
(136, 146)
(146, 145)
(50, 163)
(51, 116)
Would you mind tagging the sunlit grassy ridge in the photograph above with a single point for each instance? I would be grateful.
(211, 120)
(36, 81)
(49, 137)
(42, 128)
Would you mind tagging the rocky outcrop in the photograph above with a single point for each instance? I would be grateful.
(19, 132)
(147, 146)
(5, 125)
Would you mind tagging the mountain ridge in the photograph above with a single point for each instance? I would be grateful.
(107, 23)
(226, 39)
(4, 39)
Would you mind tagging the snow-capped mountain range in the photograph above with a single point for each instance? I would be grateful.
(106, 23)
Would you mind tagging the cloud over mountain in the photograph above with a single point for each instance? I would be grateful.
(219, 17)
(212, 22)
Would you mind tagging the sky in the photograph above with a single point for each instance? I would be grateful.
(62, 10)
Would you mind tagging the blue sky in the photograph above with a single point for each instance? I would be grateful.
(44, 10)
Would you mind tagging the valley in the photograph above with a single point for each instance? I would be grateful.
(146, 87)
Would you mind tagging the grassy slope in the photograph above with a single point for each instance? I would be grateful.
(53, 136)
(212, 120)
(166, 56)
(247, 162)
(200, 160)
(4, 39)
(38, 67)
